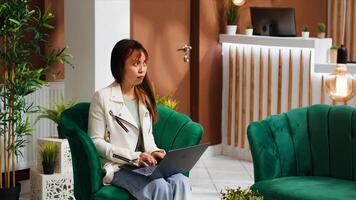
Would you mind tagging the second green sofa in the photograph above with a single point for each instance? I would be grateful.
(306, 153)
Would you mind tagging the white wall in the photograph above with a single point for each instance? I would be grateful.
(91, 29)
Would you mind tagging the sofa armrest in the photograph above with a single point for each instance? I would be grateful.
(85, 158)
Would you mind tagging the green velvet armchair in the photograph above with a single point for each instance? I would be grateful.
(306, 153)
(173, 130)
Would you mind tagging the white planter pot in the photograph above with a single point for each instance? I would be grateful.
(231, 29)
(332, 55)
(321, 35)
(305, 35)
(249, 31)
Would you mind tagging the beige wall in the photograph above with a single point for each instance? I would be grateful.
(307, 12)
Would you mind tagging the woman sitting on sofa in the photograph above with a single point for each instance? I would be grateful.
(120, 125)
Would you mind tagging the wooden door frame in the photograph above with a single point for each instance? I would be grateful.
(194, 55)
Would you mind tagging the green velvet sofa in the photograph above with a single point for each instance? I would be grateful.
(173, 130)
(306, 153)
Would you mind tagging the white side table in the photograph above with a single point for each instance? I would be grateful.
(57, 186)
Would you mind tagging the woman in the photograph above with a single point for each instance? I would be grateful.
(120, 125)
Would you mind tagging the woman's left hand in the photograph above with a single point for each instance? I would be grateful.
(158, 155)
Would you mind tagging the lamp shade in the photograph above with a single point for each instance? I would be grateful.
(340, 84)
(239, 2)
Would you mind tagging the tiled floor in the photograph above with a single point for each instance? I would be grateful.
(212, 174)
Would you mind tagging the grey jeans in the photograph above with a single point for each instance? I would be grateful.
(174, 187)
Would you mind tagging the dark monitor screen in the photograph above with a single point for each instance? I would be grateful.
(273, 21)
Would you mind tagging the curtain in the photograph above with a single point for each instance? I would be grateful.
(335, 25)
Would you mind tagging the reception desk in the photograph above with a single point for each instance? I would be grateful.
(263, 76)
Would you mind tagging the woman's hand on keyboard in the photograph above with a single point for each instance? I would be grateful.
(158, 155)
(146, 159)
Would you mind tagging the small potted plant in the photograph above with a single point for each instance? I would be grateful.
(305, 33)
(240, 194)
(333, 53)
(249, 30)
(166, 100)
(321, 30)
(231, 17)
(49, 156)
(55, 114)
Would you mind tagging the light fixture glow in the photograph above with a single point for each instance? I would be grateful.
(340, 84)
(239, 2)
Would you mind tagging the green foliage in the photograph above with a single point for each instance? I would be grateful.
(240, 194)
(49, 152)
(23, 35)
(334, 46)
(55, 113)
(305, 28)
(232, 14)
(249, 26)
(321, 27)
(167, 101)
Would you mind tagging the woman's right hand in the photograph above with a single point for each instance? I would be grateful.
(145, 159)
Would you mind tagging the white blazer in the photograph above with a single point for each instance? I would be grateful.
(116, 143)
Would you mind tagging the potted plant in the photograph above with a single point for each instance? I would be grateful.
(305, 33)
(166, 100)
(49, 156)
(240, 194)
(333, 53)
(23, 34)
(321, 30)
(55, 113)
(232, 16)
(249, 30)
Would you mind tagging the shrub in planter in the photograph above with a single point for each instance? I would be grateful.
(49, 156)
(240, 194)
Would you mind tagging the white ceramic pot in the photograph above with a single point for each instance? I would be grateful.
(321, 35)
(332, 55)
(305, 35)
(231, 29)
(249, 31)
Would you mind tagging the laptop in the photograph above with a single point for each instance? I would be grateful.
(176, 161)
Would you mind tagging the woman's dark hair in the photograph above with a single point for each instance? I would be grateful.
(121, 51)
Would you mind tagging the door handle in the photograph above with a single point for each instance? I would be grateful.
(186, 49)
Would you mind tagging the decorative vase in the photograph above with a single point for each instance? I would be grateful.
(231, 29)
(332, 55)
(249, 31)
(48, 167)
(305, 35)
(321, 35)
(60, 133)
(10, 193)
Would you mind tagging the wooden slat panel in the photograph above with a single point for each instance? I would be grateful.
(352, 31)
(347, 28)
(300, 85)
(332, 18)
(279, 91)
(310, 90)
(243, 101)
(290, 80)
(260, 98)
(269, 82)
(322, 90)
(237, 98)
(228, 131)
(339, 20)
(252, 85)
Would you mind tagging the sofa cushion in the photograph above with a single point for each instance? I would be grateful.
(112, 193)
(306, 188)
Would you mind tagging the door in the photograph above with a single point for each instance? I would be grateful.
(163, 27)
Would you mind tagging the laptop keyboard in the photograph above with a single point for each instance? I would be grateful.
(147, 171)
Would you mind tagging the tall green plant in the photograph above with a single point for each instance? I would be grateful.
(232, 13)
(23, 33)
